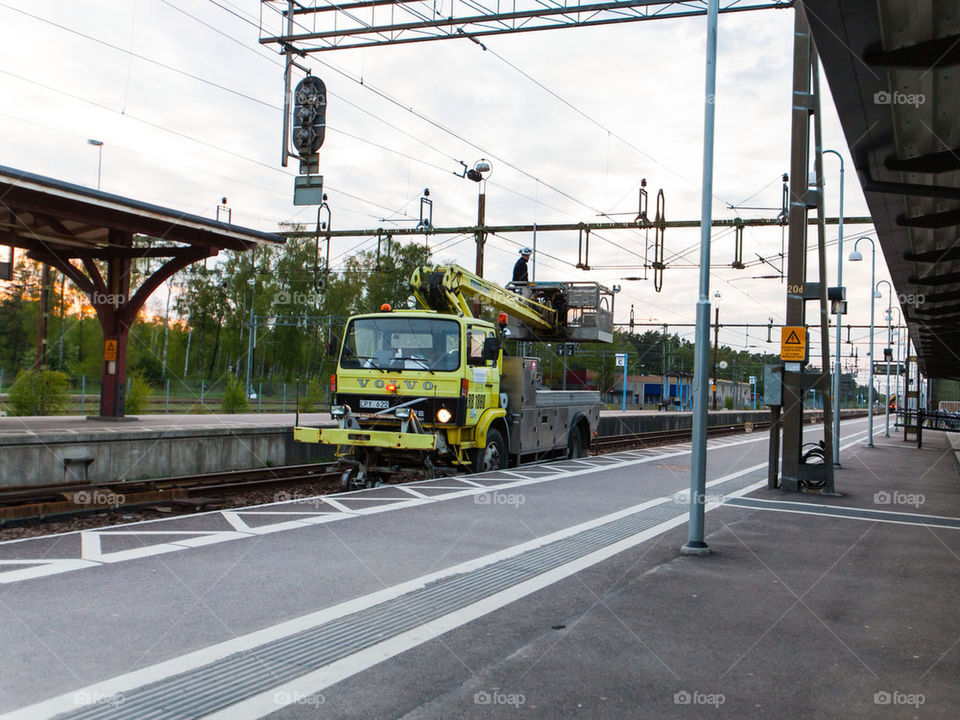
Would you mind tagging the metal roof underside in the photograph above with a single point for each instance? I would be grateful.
(45, 215)
(894, 71)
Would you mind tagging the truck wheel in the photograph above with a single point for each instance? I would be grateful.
(493, 456)
(575, 444)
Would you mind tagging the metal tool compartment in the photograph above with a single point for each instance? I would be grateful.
(540, 419)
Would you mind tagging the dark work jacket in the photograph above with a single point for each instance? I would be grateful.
(520, 270)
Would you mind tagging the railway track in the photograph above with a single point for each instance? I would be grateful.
(58, 501)
(20, 506)
(614, 443)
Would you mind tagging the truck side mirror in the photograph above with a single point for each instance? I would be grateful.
(333, 346)
(491, 348)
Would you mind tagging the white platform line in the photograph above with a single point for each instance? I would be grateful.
(339, 506)
(411, 491)
(379, 498)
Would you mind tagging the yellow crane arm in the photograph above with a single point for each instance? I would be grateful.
(450, 288)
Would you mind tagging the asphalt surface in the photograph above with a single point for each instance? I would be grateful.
(792, 615)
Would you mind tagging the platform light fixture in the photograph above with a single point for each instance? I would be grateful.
(857, 256)
(98, 144)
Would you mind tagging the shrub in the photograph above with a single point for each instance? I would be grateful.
(312, 397)
(728, 403)
(234, 396)
(139, 394)
(39, 393)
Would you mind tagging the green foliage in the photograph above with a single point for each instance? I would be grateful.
(139, 395)
(39, 393)
(213, 301)
(728, 403)
(310, 400)
(234, 396)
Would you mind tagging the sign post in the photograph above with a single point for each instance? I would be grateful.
(793, 344)
(622, 362)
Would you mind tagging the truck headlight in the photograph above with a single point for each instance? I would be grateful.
(338, 410)
(443, 415)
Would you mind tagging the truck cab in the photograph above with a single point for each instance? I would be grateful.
(417, 381)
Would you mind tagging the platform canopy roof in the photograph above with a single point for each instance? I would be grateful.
(43, 214)
(93, 237)
(893, 68)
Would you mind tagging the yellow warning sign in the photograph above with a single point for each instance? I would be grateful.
(793, 344)
(110, 350)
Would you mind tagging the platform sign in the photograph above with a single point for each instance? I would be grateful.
(621, 360)
(793, 343)
(110, 350)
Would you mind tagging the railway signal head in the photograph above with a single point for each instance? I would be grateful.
(309, 115)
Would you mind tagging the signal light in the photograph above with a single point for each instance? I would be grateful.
(333, 383)
(391, 387)
(386, 307)
(309, 115)
(464, 387)
(502, 320)
(443, 415)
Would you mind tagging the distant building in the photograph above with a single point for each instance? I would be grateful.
(652, 391)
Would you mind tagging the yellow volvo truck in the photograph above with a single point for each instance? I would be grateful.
(429, 390)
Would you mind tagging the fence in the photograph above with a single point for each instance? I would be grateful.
(185, 397)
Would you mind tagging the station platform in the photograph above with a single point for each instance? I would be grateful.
(547, 591)
(42, 450)
(46, 450)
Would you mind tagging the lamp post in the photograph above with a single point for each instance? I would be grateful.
(716, 346)
(836, 368)
(698, 461)
(98, 144)
(855, 256)
(896, 384)
(887, 358)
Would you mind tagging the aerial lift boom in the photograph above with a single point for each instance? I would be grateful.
(451, 289)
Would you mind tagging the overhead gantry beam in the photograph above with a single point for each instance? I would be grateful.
(324, 27)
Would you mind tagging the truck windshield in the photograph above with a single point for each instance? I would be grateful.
(397, 343)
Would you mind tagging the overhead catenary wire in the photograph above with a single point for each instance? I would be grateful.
(611, 133)
(235, 92)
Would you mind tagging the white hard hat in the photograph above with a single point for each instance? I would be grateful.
(526, 251)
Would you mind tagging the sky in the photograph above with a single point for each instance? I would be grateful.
(188, 105)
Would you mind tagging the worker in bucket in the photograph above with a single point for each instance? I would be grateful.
(520, 272)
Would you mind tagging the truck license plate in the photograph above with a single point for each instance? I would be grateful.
(374, 404)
